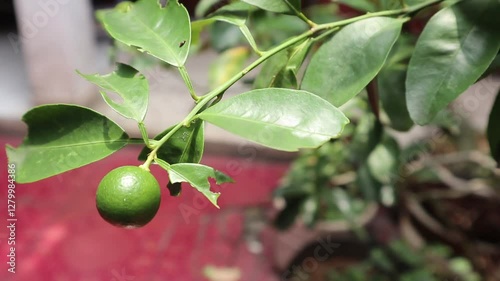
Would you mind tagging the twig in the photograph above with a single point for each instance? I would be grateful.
(429, 222)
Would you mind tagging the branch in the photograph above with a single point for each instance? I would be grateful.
(315, 30)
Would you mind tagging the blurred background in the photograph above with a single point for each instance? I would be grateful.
(327, 214)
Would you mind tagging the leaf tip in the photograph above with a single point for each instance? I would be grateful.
(213, 199)
(221, 178)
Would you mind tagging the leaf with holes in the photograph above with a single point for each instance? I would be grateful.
(163, 32)
(197, 176)
(130, 85)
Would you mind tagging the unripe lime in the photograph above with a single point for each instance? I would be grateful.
(128, 196)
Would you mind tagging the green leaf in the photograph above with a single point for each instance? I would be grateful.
(162, 32)
(391, 84)
(277, 6)
(360, 5)
(451, 54)
(396, 4)
(391, 87)
(401, 52)
(197, 176)
(204, 6)
(297, 55)
(288, 26)
(484, 13)
(345, 64)
(236, 14)
(383, 162)
(226, 65)
(272, 73)
(366, 137)
(63, 137)
(285, 79)
(382, 261)
(224, 36)
(280, 70)
(186, 145)
(310, 210)
(344, 203)
(405, 253)
(130, 85)
(324, 13)
(368, 185)
(493, 130)
(283, 119)
(197, 28)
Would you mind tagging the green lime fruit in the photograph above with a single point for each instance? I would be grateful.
(128, 196)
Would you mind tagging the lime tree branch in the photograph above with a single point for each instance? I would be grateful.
(405, 11)
(311, 33)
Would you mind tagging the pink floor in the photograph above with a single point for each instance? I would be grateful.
(60, 236)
